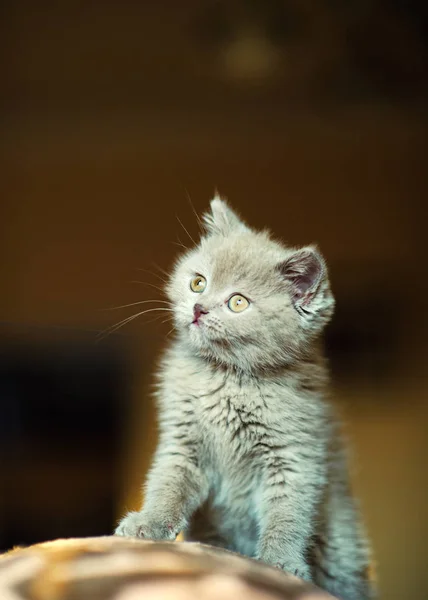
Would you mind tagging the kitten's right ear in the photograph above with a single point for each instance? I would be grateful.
(222, 220)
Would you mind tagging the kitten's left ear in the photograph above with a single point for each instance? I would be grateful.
(306, 272)
(222, 220)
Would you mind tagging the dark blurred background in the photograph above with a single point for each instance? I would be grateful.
(311, 117)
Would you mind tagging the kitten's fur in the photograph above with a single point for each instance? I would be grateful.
(249, 457)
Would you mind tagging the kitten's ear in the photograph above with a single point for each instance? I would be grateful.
(221, 219)
(306, 272)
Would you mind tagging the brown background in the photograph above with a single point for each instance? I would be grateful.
(310, 117)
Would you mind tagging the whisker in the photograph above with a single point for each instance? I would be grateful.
(170, 331)
(166, 320)
(201, 226)
(117, 326)
(113, 328)
(135, 304)
(161, 270)
(178, 219)
(156, 287)
(153, 274)
(155, 319)
(180, 244)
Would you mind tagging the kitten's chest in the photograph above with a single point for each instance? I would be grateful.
(230, 421)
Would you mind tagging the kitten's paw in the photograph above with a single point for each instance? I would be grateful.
(295, 567)
(301, 571)
(136, 524)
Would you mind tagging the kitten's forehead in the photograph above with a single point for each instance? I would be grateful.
(249, 258)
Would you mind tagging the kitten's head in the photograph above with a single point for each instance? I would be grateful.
(244, 300)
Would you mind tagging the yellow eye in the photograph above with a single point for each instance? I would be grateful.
(238, 303)
(198, 284)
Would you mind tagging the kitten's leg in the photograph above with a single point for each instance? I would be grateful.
(340, 556)
(292, 490)
(175, 488)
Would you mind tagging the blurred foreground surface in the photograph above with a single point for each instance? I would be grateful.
(112, 568)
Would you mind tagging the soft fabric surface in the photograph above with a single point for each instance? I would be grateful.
(113, 568)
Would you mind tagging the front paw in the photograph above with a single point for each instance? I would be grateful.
(137, 524)
(292, 565)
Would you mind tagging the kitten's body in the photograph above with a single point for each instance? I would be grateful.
(248, 456)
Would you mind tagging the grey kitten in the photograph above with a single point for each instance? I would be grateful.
(249, 457)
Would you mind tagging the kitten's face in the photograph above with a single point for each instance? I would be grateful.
(232, 302)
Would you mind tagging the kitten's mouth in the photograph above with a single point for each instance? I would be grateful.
(198, 311)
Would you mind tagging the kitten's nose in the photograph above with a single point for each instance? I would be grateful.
(199, 310)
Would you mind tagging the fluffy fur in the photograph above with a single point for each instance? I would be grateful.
(249, 457)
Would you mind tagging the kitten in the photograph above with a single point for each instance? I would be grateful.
(249, 457)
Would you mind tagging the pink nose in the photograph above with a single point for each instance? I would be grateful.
(199, 310)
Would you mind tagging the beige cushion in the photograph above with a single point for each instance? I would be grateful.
(114, 568)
